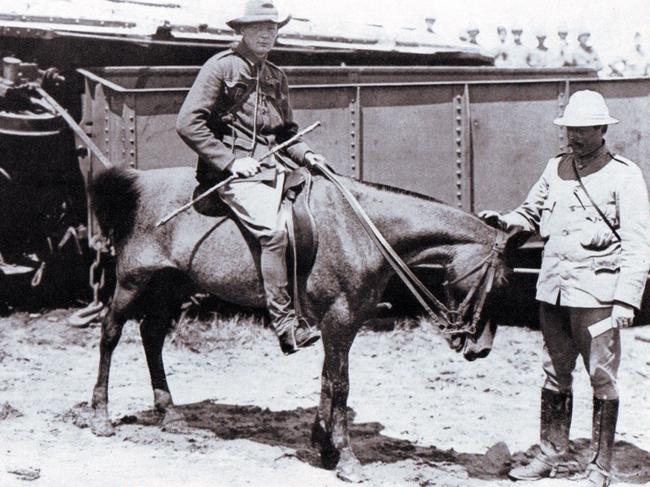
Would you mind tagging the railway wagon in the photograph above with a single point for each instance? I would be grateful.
(475, 143)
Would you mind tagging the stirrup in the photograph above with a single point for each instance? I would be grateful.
(603, 477)
(294, 342)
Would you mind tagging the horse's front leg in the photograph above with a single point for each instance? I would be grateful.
(153, 330)
(348, 467)
(330, 429)
(321, 432)
(112, 325)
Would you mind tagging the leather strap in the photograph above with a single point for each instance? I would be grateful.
(593, 203)
(417, 288)
(288, 214)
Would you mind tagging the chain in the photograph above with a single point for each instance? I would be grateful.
(100, 245)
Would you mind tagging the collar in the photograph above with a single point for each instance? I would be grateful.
(589, 164)
(244, 51)
(594, 157)
(586, 165)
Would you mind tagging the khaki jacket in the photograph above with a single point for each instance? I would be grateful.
(224, 91)
(583, 263)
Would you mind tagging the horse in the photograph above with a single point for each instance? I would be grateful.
(342, 291)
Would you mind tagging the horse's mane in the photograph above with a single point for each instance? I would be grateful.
(393, 189)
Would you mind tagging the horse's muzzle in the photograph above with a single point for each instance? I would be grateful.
(480, 345)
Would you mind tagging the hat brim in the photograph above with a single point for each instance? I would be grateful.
(239, 22)
(574, 122)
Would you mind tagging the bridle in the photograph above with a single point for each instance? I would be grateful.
(486, 267)
(448, 318)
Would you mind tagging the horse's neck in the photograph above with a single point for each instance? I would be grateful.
(412, 224)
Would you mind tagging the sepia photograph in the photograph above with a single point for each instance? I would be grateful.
(299, 243)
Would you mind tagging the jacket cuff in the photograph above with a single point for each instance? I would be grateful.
(298, 150)
(629, 294)
(228, 164)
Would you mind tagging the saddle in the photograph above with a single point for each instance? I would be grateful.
(301, 230)
(296, 215)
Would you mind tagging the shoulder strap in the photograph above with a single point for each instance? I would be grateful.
(593, 203)
(618, 158)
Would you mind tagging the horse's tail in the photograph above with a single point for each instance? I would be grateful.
(115, 195)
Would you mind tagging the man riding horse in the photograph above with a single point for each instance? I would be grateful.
(236, 109)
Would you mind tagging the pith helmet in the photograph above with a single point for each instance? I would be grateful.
(258, 11)
(586, 108)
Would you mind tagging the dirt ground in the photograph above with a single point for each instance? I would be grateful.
(422, 415)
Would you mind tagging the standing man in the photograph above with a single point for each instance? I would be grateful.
(501, 51)
(518, 53)
(637, 62)
(591, 209)
(430, 22)
(584, 54)
(472, 34)
(540, 56)
(561, 53)
(237, 108)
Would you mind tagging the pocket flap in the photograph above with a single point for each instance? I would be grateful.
(605, 264)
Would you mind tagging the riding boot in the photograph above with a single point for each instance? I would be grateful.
(603, 430)
(555, 422)
(292, 333)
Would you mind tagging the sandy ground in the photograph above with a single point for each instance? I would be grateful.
(422, 415)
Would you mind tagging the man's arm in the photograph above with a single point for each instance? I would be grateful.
(192, 121)
(634, 218)
(528, 214)
(299, 149)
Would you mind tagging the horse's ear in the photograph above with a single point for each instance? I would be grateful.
(515, 238)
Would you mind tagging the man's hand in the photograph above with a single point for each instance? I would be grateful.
(492, 218)
(311, 159)
(622, 315)
(245, 167)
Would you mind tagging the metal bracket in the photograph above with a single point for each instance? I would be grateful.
(355, 122)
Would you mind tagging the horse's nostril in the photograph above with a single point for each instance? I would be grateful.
(483, 353)
(470, 357)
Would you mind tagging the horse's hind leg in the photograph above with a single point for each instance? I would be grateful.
(153, 330)
(112, 325)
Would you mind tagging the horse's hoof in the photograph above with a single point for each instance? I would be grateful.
(102, 427)
(174, 422)
(350, 470)
(318, 434)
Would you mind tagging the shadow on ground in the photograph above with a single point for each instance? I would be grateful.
(291, 429)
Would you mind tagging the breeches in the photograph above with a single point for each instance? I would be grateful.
(256, 204)
(566, 336)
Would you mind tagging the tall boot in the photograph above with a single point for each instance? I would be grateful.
(555, 423)
(292, 333)
(603, 430)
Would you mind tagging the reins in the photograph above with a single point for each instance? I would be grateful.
(487, 270)
(447, 319)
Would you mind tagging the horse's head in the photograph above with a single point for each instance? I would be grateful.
(477, 274)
